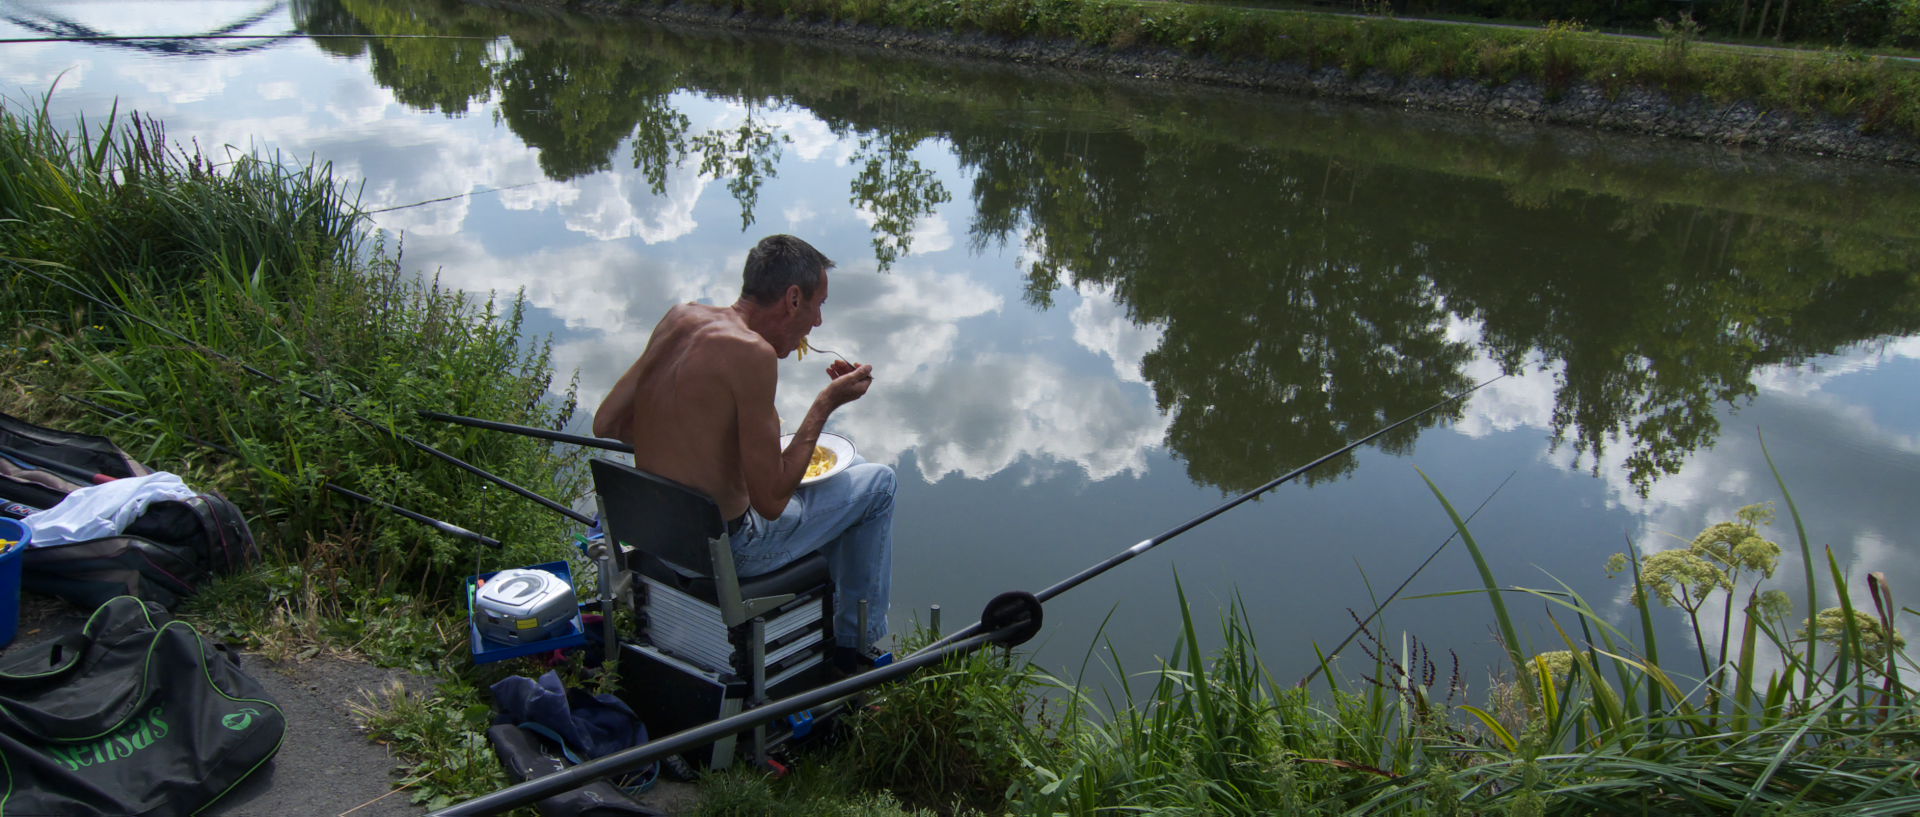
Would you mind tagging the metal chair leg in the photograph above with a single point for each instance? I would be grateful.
(863, 627)
(757, 695)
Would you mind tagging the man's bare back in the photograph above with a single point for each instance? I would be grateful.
(682, 418)
(698, 404)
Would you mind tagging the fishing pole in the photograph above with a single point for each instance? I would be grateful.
(66, 471)
(449, 198)
(1382, 606)
(416, 444)
(529, 431)
(109, 38)
(1012, 618)
(1145, 545)
(444, 527)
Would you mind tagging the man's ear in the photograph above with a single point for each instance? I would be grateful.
(794, 296)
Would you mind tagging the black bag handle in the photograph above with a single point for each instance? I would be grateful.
(89, 682)
(45, 662)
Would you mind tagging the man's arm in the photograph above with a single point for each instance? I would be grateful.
(616, 411)
(614, 419)
(763, 466)
(772, 475)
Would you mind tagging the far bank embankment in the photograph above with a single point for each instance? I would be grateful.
(1825, 103)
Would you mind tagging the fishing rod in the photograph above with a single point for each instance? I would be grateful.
(1382, 606)
(1013, 618)
(1145, 545)
(529, 431)
(444, 527)
(66, 471)
(110, 38)
(449, 198)
(993, 627)
(416, 444)
(1078, 578)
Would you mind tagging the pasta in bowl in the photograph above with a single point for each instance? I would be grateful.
(831, 455)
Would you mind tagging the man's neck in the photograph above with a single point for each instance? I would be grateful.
(758, 319)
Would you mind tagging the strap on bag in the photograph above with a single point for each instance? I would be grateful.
(45, 663)
(635, 783)
(84, 685)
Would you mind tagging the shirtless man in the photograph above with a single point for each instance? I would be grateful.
(698, 409)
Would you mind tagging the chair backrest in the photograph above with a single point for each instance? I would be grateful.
(658, 516)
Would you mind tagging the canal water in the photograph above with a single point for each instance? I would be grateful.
(1098, 307)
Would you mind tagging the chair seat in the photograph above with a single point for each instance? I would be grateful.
(805, 574)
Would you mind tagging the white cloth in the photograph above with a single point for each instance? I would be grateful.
(102, 510)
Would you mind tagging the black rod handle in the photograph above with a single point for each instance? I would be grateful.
(444, 527)
(1145, 545)
(530, 431)
(72, 472)
(629, 760)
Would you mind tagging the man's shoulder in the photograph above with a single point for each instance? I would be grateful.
(706, 323)
(715, 332)
(694, 314)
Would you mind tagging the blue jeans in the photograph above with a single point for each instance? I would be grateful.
(849, 519)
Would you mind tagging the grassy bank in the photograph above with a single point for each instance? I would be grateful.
(1891, 25)
(133, 265)
(1881, 94)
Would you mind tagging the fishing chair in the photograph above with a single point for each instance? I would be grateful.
(709, 643)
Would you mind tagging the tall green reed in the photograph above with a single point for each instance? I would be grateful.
(942, 738)
(114, 198)
(1781, 749)
(1596, 726)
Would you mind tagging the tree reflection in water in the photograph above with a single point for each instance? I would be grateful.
(448, 76)
(895, 190)
(1317, 272)
(745, 156)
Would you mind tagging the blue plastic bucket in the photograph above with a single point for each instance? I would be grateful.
(10, 559)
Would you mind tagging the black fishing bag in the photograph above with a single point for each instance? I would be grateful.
(39, 466)
(136, 714)
(165, 555)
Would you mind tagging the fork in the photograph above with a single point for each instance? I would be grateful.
(843, 358)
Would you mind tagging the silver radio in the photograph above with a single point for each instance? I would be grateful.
(524, 605)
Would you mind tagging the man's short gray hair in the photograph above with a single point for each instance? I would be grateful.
(778, 262)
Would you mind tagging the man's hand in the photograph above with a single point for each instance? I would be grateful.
(850, 383)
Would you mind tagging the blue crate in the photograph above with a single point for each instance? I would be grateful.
(485, 651)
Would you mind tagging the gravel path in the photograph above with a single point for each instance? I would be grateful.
(326, 765)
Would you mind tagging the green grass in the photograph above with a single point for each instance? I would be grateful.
(439, 737)
(744, 793)
(197, 257)
(120, 207)
(1883, 94)
(1597, 727)
(941, 739)
(271, 265)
